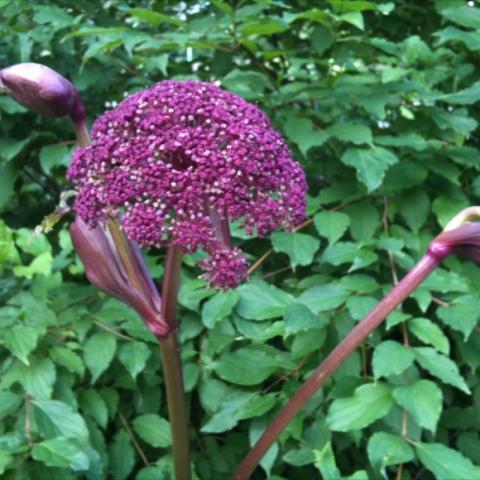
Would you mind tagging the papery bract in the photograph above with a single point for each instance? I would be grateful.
(179, 160)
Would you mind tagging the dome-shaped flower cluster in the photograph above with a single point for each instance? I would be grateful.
(177, 161)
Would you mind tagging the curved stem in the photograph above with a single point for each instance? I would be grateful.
(397, 295)
(172, 367)
(82, 133)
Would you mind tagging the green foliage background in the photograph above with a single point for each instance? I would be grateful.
(379, 103)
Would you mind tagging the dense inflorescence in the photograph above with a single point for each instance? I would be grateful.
(177, 161)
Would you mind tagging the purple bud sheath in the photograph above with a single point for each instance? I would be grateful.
(42, 90)
(179, 161)
(106, 270)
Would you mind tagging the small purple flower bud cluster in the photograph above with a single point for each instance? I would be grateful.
(176, 159)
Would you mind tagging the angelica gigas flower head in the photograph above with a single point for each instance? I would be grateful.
(42, 90)
(181, 159)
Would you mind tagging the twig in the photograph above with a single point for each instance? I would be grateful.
(138, 448)
(28, 429)
(113, 331)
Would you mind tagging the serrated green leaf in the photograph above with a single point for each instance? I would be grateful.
(94, 405)
(154, 430)
(391, 358)
(370, 164)
(351, 132)
(425, 330)
(68, 423)
(21, 340)
(369, 403)
(261, 301)
(219, 307)
(134, 356)
(325, 462)
(441, 367)
(122, 456)
(385, 449)
(446, 463)
(304, 134)
(61, 452)
(423, 399)
(98, 353)
(300, 318)
(68, 359)
(323, 297)
(298, 246)
(331, 225)
(38, 378)
(461, 315)
(246, 366)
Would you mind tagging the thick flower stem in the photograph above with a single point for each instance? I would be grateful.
(82, 133)
(399, 293)
(172, 368)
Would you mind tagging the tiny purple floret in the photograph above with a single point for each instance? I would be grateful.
(177, 161)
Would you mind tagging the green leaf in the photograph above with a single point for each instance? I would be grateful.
(428, 332)
(331, 225)
(54, 156)
(464, 15)
(446, 463)
(369, 403)
(154, 18)
(154, 430)
(415, 208)
(299, 318)
(122, 456)
(302, 132)
(461, 315)
(261, 301)
(298, 246)
(256, 406)
(98, 353)
(68, 423)
(262, 27)
(38, 378)
(10, 148)
(385, 449)
(351, 132)
(67, 358)
(134, 356)
(370, 164)
(21, 340)
(423, 399)
(246, 366)
(219, 307)
(325, 462)
(464, 97)
(391, 358)
(323, 297)
(364, 220)
(441, 367)
(94, 405)
(9, 402)
(411, 140)
(5, 459)
(61, 452)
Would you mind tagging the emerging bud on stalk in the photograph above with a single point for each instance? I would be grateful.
(42, 90)
(106, 270)
(460, 236)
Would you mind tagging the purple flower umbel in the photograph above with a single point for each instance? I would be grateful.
(179, 160)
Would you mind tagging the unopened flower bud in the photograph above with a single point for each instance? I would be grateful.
(42, 90)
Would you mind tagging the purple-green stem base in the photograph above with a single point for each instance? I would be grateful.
(399, 293)
(177, 410)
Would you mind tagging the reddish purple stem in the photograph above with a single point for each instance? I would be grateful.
(400, 292)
